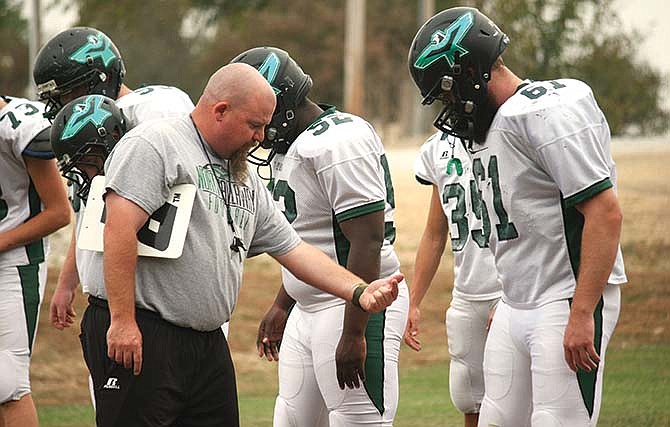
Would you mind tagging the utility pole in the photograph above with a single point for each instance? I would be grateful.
(34, 44)
(354, 56)
(420, 112)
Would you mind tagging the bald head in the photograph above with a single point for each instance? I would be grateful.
(234, 109)
(235, 83)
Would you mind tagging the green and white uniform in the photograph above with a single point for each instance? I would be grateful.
(548, 150)
(22, 269)
(334, 171)
(154, 102)
(444, 161)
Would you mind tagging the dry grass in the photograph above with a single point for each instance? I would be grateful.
(59, 375)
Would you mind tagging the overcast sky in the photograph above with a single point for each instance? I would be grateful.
(652, 17)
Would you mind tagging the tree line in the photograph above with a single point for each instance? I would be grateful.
(181, 42)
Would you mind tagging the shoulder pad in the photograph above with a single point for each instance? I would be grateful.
(40, 146)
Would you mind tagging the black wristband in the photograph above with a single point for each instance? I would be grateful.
(356, 299)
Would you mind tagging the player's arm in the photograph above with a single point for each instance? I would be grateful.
(600, 240)
(56, 214)
(426, 262)
(315, 268)
(271, 328)
(124, 219)
(366, 236)
(62, 312)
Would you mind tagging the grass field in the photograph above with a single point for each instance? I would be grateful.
(637, 378)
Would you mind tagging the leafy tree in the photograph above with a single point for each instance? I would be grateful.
(313, 33)
(583, 39)
(181, 42)
(149, 36)
(315, 43)
(13, 49)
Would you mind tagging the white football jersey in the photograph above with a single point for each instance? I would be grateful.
(20, 121)
(335, 170)
(154, 102)
(82, 256)
(548, 150)
(444, 161)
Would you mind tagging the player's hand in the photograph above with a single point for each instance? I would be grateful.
(270, 332)
(578, 342)
(412, 329)
(124, 344)
(61, 310)
(350, 360)
(380, 293)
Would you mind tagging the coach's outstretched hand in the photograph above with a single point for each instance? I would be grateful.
(381, 293)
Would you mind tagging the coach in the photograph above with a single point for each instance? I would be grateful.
(151, 335)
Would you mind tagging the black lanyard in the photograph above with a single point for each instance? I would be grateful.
(237, 241)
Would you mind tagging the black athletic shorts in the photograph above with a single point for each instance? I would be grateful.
(187, 376)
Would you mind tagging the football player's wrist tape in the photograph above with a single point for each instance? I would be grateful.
(358, 291)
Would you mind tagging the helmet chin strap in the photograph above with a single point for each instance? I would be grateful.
(472, 128)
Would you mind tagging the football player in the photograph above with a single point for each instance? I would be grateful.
(330, 177)
(33, 204)
(83, 134)
(84, 61)
(541, 152)
(455, 207)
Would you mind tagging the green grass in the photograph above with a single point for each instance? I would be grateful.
(637, 393)
(637, 387)
(80, 415)
(424, 397)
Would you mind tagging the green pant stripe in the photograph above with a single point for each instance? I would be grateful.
(587, 380)
(573, 223)
(374, 361)
(30, 286)
(374, 332)
(342, 244)
(34, 250)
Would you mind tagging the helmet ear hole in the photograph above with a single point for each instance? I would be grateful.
(270, 135)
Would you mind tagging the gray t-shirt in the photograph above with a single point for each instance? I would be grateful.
(198, 290)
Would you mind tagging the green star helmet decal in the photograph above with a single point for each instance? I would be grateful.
(269, 69)
(96, 46)
(445, 43)
(88, 111)
(454, 163)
